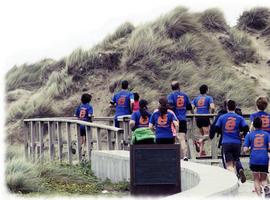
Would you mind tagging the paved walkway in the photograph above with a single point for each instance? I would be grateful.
(245, 190)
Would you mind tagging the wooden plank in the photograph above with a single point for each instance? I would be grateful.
(126, 134)
(41, 146)
(26, 142)
(80, 122)
(59, 139)
(79, 152)
(190, 146)
(89, 141)
(33, 145)
(118, 135)
(214, 148)
(51, 145)
(69, 143)
(98, 139)
(109, 139)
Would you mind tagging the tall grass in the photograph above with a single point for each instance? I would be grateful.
(176, 23)
(53, 178)
(240, 47)
(27, 76)
(213, 20)
(255, 19)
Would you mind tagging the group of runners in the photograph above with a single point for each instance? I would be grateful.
(169, 124)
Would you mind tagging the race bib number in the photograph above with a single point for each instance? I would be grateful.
(162, 121)
(144, 121)
(121, 100)
(82, 113)
(180, 101)
(265, 121)
(201, 102)
(230, 124)
(259, 140)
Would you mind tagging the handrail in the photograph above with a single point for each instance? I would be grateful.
(95, 125)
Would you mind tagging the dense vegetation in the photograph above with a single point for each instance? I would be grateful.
(54, 178)
(193, 48)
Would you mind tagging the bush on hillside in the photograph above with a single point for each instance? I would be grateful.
(21, 177)
(27, 77)
(176, 23)
(213, 20)
(255, 19)
(123, 31)
(266, 31)
(239, 46)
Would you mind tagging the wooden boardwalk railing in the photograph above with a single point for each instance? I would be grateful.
(56, 127)
(56, 133)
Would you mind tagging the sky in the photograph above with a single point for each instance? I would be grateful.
(35, 29)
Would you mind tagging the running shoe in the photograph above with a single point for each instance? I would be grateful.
(242, 176)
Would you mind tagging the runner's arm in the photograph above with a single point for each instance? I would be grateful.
(212, 108)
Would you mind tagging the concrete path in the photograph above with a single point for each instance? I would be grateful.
(245, 190)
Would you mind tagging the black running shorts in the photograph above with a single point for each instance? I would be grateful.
(202, 122)
(231, 152)
(182, 126)
(259, 168)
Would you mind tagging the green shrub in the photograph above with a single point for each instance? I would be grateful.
(26, 76)
(123, 31)
(239, 46)
(255, 19)
(213, 20)
(21, 177)
(176, 23)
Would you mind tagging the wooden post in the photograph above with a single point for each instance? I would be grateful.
(41, 148)
(33, 144)
(190, 140)
(59, 138)
(69, 143)
(109, 139)
(51, 145)
(118, 140)
(77, 127)
(214, 148)
(89, 141)
(36, 131)
(98, 139)
(26, 131)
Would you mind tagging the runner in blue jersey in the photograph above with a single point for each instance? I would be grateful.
(140, 118)
(258, 143)
(203, 104)
(230, 125)
(238, 164)
(261, 104)
(179, 103)
(162, 121)
(84, 112)
(122, 101)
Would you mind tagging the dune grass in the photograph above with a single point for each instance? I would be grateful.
(213, 20)
(24, 177)
(179, 45)
(254, 20)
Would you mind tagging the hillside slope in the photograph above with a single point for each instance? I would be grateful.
(193, 48)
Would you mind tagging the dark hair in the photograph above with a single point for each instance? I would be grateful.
(257, 123)
(175, 85)
(203, 89)
(231, 105)
(136, 96)
(163, 105)
(124, 84)
(143, 108)
(262, 103)
(86, 98)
